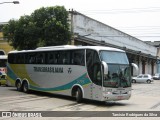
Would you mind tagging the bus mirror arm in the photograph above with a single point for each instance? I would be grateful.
(105, 66)
(136, 67)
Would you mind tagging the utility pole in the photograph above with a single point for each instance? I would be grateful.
(72, 26)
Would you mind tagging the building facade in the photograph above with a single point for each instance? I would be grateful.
(87, 31)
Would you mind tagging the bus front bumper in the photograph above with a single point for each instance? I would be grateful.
(109, 96)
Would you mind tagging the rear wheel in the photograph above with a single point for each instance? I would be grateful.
(79, 95)
(18, 86)
(25, 87)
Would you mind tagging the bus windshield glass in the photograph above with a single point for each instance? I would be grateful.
(118, 69)
(114, 57)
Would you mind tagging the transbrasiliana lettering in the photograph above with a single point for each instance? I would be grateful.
(49, 69)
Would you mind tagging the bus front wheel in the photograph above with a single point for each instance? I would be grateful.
(79, 95)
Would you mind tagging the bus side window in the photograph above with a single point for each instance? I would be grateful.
(11, 58)
(60, 57)
(50, 58)
(20, 58)
(64, 57)
(56, 55)
(14, 58)
(40, 58)
(78, 57)
(31, 58)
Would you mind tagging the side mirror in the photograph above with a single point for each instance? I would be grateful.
(105, 66)
(136, 67)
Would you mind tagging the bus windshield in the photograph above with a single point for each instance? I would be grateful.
(114, 57)
(118, 69)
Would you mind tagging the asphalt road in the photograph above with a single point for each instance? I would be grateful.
(145, 97)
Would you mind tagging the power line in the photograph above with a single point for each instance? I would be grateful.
(142, 31)
(120, 11)
(124, 35)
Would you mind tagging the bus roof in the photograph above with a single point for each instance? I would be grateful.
(69, 47)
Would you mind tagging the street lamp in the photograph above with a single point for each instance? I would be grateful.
(14, 2)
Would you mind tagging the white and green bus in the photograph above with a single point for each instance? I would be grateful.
(84, 72)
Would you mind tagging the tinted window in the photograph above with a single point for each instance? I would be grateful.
(63, 57)
(139, 76)
(94, 66)
(52, 58)
(78, 57)
(31, 58)
(11, 58)
(21, 58)
(145, 76)
(39, 58)
(74, 57)
(16, 58)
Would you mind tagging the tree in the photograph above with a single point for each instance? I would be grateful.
(22, 34)
(44, 27)
(55, 30)
(9, 31)
(1, 26)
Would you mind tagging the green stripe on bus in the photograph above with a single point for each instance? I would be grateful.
(83, 80)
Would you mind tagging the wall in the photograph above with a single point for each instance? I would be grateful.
(93, 30)
(90, 28)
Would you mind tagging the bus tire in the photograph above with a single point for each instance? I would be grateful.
(25, 87)
(18, 86)
(78, 95)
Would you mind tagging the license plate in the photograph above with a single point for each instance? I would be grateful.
(120, 97)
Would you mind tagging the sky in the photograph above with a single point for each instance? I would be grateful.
(138, 18)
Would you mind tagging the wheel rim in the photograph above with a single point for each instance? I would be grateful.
(148, 81)
(133, 81)
(25, 87)
(18, 86)
(77, 95)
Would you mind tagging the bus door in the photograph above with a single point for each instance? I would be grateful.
(95, 74)
(96, 87)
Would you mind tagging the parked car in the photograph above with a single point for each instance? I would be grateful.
(156, 76)
(142, 78)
